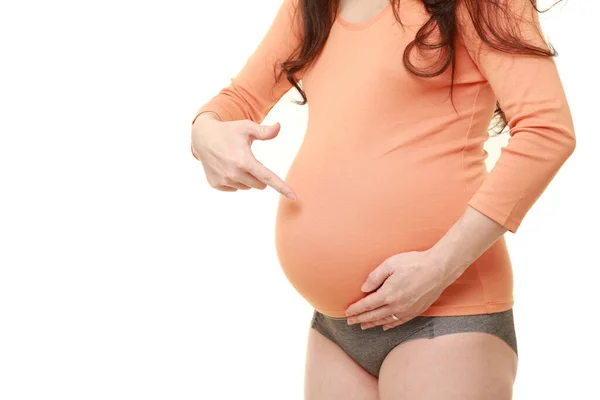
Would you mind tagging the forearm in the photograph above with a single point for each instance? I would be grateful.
(470, 236)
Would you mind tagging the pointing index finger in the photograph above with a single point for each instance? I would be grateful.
(268, 177)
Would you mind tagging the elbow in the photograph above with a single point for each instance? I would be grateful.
(564, 139)
(569, 145)
(569, 137)
(243, 104)
(573, 143)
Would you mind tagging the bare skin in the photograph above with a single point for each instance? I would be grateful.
(331, 374)
(361, 10)
(459, 366)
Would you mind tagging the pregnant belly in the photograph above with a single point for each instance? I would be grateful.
(348, 219)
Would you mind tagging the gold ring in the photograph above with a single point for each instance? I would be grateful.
(395, 318)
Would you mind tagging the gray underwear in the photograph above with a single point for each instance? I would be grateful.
(369, 347)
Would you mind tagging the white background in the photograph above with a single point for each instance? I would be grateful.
(123, 275)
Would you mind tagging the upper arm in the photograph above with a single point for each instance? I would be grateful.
(524, 85)
(254, 90)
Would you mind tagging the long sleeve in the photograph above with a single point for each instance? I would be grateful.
(254, 91)
(542, 135)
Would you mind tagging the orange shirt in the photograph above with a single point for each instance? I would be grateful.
(387, 165)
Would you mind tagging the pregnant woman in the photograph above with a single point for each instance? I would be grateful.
(388, 223)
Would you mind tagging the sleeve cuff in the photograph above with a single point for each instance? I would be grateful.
(223, 113)
(509, 222)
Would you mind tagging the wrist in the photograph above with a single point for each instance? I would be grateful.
(448, 265)
(202, 123)
(205, 116)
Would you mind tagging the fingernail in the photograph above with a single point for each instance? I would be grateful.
(350, 321)
(291, 196)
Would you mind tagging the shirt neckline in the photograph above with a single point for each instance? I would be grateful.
(366, 23)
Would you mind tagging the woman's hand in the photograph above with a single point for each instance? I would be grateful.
(223, 148)
(407, 284)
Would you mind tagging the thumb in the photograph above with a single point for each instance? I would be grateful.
(376, 278)
(266, 132)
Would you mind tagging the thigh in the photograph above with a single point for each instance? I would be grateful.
(332, 374)
(456, 366)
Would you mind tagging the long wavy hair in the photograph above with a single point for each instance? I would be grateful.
(493, 20)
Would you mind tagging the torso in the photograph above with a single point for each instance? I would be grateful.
(386, 166)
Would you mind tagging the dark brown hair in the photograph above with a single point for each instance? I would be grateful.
(494, 22)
